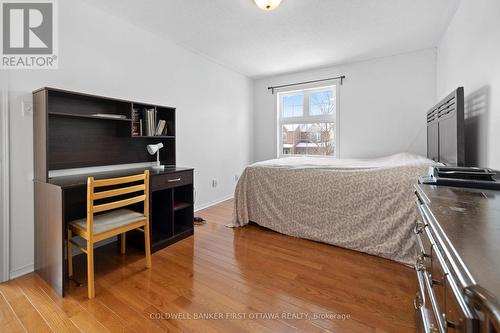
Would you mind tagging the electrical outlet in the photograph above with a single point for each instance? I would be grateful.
(27, 108)
(214, 183)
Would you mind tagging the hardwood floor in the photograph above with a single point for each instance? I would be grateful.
(248, 273)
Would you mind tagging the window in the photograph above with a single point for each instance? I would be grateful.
(307, 122)
(293, 105)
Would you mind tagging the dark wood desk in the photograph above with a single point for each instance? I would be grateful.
(78, 130)
(63, 199)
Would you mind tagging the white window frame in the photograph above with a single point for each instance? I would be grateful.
(306, 118)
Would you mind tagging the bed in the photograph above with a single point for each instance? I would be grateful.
(365, 205)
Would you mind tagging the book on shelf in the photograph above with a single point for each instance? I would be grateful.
(160, 127)
(152, 121)
(136, 123)
(148, 123)
(155, 120)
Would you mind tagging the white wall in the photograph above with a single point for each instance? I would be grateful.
(4, 181)
(108, 56)
(383, 103)
(469, 56)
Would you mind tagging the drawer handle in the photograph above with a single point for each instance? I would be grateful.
(420, 263)
(174, 180)
(419, 228)
(417, 301)
(433, 329)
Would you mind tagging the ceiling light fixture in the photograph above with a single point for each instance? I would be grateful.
(267, 5)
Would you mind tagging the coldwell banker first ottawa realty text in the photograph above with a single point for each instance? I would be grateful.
(29, 34)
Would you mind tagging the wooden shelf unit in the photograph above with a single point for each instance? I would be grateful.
(69, 133)
(172, 210)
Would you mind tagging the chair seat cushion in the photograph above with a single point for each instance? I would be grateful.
(109, 221)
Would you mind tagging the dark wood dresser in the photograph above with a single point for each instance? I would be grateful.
(458, 260)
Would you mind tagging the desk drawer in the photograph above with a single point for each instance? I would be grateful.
(170, 180)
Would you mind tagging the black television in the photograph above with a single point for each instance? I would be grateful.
(446, 130)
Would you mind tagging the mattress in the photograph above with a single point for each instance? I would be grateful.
(365, 205)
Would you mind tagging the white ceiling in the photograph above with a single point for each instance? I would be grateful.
(300, 34)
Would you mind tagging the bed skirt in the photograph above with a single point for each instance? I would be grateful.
(370, 210)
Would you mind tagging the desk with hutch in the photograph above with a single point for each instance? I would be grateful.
(71, 130)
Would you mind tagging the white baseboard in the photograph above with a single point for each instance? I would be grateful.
(21, 271)
(213, 203)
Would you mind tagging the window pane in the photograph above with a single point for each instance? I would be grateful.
(322, 103)
(291, 135)
(293, 105)
(309, 139)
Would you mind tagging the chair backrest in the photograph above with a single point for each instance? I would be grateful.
(141, 184)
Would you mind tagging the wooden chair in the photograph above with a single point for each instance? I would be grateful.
(95, 228)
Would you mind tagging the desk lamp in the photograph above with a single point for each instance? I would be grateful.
(155, 149)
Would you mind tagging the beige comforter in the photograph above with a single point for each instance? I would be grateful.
(363, 205)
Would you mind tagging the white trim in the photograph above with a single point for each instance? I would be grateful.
(337, 121)
(213, 203)
(4, 179)
(15, 273)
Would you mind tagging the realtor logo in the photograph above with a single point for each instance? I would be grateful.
(29, 39)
